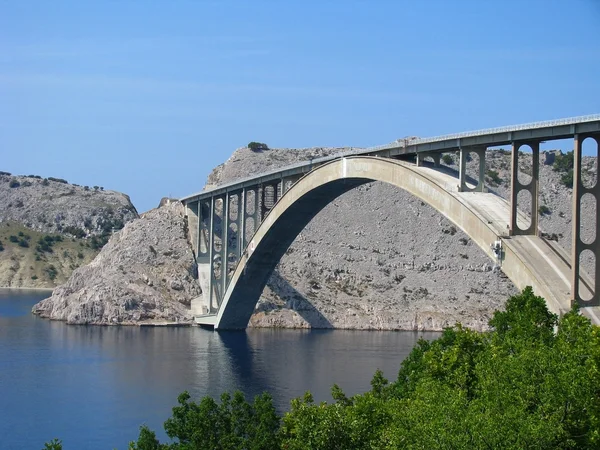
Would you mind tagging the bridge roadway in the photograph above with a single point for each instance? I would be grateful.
(273, 208)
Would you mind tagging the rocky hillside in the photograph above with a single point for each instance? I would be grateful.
(145, 274)
(52, 205)
(49, 227)
(392, 262)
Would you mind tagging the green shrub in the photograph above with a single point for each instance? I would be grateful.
(58, 180)
(77, 232)
(45, 182)
(563, 162)
(13, 238)
(1, 247)
(34, 277)
(14, 183)
(544, 210)
(257, 146)
(51, 272)
(23, 243)
(5, 173)
(567, 179)
(448, 159)
(494, 176)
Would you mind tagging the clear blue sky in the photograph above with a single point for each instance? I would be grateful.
(146, 97)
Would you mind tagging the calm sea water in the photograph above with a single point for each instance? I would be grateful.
(93, 386)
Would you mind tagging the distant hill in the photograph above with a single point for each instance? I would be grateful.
(49, 227)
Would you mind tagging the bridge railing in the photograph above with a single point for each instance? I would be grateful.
(407, 142)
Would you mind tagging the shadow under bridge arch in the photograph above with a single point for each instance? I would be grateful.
(307, 198)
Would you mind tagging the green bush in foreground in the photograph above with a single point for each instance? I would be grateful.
(533, 381)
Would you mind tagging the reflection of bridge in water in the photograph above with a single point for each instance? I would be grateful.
(240, 230)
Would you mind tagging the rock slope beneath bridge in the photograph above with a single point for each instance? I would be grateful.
(144, 274)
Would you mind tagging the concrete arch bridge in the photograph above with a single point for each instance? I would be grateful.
(241, 230)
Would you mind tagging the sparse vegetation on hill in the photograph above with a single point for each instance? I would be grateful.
(563, 163)
(447, 159)
(257, 146)
(49, 215)
(34, 259)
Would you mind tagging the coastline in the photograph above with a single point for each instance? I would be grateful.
(21, 288)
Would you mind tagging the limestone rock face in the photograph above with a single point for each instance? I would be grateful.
(145, 273)
(379, 258)
(52, 206)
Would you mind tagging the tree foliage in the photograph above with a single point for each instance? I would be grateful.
(257, 146)
(533, 381)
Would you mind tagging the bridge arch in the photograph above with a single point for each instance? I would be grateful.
(316, 190)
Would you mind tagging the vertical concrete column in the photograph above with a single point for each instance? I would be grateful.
(242, 227)
(211, 255)
(262, 204)
(462, 171)
(578, 246)
(255, 213)
(201, 305)
(224, 247)
(193, 222)
(276, 195)
(532, 187)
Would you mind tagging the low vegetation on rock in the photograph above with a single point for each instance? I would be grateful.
(50, 221)
(257, 146)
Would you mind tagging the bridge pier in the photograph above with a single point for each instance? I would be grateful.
(578, 245)
(462, 171)
(532, 187)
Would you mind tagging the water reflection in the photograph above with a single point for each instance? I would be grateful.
(94, 386)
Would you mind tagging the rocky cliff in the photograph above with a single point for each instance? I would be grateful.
(49, 227)
(145, 274)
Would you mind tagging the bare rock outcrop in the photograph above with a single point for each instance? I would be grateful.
(145, 274)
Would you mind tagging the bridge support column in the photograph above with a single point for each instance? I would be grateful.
(251, 211)
(435, 156)
(462, 170)
(211, 256)
(532, 187)
(201, 305)
(224, 246)
(578, 246)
